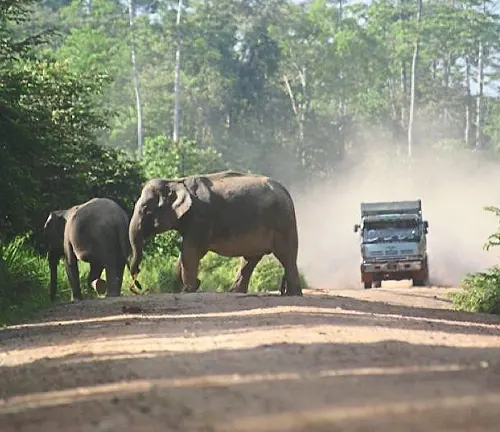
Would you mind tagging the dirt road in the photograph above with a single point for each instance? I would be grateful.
(393, 359)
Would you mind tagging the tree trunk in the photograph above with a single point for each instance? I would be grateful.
(177, 75)
(300, 117)
(467, 102)
(403, 95)
(413, 80)
(479, 99)
(135, 76)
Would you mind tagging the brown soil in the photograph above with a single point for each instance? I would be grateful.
(394, 358)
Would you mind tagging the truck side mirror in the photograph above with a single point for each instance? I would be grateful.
(426, 226)
(356, 228)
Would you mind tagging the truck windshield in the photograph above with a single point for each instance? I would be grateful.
(391, 231)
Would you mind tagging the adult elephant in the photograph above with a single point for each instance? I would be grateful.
(95, 232)
(229, 213)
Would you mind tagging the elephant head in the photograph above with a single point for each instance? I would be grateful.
(159, 208)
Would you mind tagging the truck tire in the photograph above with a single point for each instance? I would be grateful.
(377, 284)
(367, 285)
(425, 281)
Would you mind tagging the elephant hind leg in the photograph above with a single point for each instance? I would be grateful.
(283, 285)
(287, 256)
(245, 271)
(114, 278)
(94, 273)
(71, 266)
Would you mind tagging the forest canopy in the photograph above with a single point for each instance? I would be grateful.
(98, 95)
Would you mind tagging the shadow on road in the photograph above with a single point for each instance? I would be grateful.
(179, 365)
(203, 314)
(186, 389)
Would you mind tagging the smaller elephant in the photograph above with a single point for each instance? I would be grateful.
(95, 232)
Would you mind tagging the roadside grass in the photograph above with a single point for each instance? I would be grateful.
(24, 279)
(216, 273)
(481, 290)
(25, 276)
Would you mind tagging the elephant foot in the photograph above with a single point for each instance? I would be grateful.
(189, 288)
(238, 289)
(293, 293)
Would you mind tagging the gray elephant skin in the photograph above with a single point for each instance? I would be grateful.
(95, 232)
(229, 213)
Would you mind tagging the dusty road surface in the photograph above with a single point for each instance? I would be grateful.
(389, 359)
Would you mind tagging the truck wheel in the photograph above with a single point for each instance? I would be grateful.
(377, 284)
(422, 282)
(367, 285)
(425, 281)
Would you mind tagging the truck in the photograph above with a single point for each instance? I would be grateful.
(393, 238)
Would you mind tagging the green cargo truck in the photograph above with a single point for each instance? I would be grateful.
(393, 243)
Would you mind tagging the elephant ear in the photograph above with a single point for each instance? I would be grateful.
(182, 201)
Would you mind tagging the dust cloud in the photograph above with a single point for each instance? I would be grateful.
(454, 191)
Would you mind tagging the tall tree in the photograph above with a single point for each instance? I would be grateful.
(135, 76)
(414, 79)
(177, 74)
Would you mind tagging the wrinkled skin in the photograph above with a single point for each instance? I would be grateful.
(229, 213)
(95, 232)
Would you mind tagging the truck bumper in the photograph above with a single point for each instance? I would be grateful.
(392, 266)
(392, 270)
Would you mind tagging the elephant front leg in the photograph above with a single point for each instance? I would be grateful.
(53, 262)
(71, 266)
(188, 269)
(244, 274)
(178, 274)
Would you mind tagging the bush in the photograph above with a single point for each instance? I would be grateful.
(482, 289)
(216, 273)
(157, 275)
(162, 158)
(481, 292)
(24, 279)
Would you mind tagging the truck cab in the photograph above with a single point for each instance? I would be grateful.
(393, 238)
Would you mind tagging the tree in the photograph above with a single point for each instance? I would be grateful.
(414, 78)
(135, 76)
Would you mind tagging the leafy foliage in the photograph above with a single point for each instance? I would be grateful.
(24, 279)
(49, 157)
(482, 289)
(163, 158)
(481, 292)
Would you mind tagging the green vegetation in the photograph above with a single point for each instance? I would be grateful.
(293, 90)
(482, 289)
(481, 292)
(23, 273)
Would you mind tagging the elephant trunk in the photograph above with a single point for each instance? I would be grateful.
(137, 243)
